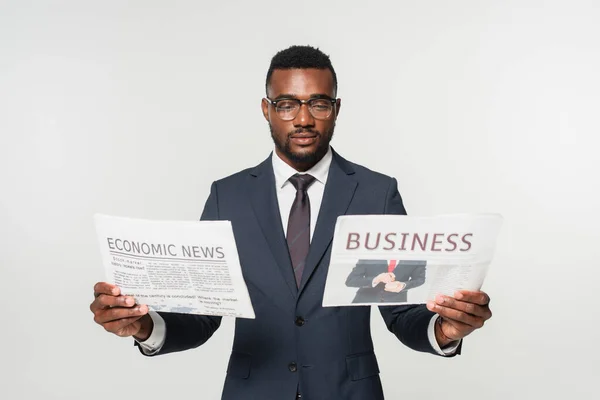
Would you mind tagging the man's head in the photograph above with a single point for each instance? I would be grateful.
(301, 131)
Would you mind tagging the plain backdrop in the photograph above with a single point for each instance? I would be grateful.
(134, 108)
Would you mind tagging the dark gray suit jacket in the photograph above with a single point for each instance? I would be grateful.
(294, 341)
(408, 271)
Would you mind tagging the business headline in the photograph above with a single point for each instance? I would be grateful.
(395, 241)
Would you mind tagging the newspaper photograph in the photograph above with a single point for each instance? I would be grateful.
(398, 259)
(187, 267)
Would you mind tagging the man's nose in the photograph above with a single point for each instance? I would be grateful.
(304, 117)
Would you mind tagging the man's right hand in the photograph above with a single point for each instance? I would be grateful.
(119, 314)
(385, 277)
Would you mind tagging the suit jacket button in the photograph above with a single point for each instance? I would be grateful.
(299, 321)
(293, 367)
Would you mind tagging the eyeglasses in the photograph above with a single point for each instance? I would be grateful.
(288, 109)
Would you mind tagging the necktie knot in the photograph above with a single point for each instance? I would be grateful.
(302, 181)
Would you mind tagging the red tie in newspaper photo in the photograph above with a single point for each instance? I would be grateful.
(391, 266)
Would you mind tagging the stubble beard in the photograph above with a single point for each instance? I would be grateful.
(304, 158)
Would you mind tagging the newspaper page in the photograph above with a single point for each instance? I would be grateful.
(396, 259)
(187, 267)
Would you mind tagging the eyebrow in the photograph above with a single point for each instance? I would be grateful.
(293, 96)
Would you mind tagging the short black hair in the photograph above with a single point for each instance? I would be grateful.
(301, 57)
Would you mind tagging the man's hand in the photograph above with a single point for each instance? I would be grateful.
(119, 314)
(385, 277)
(395, 286)
(461, 314)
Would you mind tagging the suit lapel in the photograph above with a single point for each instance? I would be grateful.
(338, 194)
(266, 208)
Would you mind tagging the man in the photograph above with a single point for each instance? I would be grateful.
(385, 282)
(283, 213)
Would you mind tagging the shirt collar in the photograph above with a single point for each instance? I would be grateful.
(283, 171)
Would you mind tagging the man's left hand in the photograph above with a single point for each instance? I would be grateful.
(460, 315)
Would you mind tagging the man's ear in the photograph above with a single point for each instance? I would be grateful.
(265, 108)
(338, 105)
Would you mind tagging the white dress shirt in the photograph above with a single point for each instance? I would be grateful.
(286, 193)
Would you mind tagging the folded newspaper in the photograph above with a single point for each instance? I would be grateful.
(187, 267)
(394, 259)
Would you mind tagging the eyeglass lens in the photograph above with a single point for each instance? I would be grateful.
(319, 108)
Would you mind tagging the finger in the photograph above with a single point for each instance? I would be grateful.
(480, 298)
(454, 329)
(456, 315)
(130, 329)
(469, 308)
(116, 313)
(106, 301)
(106, 288)
(119, 327)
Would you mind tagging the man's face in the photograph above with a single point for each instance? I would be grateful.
(303, 141)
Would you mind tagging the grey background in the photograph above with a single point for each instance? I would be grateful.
(124, 108)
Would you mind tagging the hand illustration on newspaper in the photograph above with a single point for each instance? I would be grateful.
(386, 281)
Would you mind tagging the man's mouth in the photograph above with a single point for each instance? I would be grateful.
(304, 134)
(304, 138)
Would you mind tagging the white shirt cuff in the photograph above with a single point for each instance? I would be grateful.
(155, 341)
(448, 350)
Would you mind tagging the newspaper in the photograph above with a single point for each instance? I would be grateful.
(187, 267)
(394, 259)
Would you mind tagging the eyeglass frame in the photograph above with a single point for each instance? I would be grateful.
(331, 100)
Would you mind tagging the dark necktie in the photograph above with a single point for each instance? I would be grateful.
(298, 230)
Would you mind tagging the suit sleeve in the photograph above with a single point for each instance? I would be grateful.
(409, 323)
(417, 278)
(188, 331)
(363, 273)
